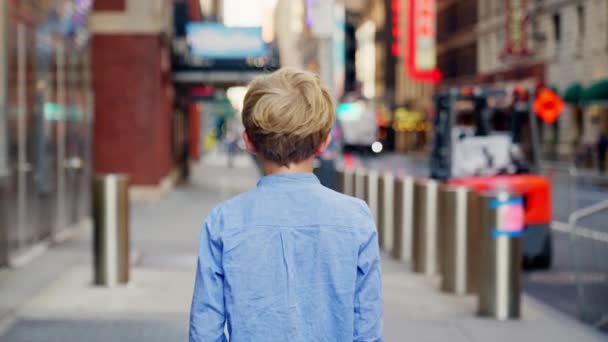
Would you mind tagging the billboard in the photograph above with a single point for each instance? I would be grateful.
(216, 41)
(421, 58)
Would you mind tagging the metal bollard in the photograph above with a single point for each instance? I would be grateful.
(501, 227)
(459, 239)
(385, 211)
(404, 218)
(111, 229)
(360, 186)
(372, 183)
(339, 179)
(425, 258)
(348, 182)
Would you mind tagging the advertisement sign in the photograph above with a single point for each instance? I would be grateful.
(215, 41)
(421, 60)
(509, 217)
(516, 25)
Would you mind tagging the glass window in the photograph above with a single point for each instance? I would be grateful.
(557, 28)
(580, 11)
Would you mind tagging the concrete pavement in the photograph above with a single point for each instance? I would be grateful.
(63, 306)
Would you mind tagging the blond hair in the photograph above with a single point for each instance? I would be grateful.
(287, 115)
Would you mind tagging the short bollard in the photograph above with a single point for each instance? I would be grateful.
(371, 193)
(348, 183)
(339, 179)
(386, 211)
(501, 228)
(111, 229)
(404, 218)
(459, 239)
(425, 258)
(360, 186)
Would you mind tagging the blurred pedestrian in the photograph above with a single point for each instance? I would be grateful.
(290, 260)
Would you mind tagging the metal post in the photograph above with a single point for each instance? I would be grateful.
(4, 225)
(348, 182)
(459, 239)
(340, 179)
(536, 145)
(386, 211)
(425, 258)
(403, 218)
(360, 188)
(373, 180)
(111, 224)
(501, 227)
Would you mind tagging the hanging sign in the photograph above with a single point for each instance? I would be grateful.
(516, 18)
(421, 59)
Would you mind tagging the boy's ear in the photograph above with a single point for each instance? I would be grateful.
(250, 146)
(324, 145)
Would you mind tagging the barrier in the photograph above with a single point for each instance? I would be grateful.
(403, 218)
(360, 184)
(501, 227)
(372, 183)
(348, 182)
(111, 229)
(386, 211)
(425, 258)
(459, 239)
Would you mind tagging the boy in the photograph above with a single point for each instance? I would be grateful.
(290, 260)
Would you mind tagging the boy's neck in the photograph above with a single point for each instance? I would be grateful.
(271, 168)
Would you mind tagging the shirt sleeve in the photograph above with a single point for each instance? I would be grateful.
(207, 313)
(368, 292)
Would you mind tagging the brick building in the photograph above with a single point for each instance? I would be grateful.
(133, 90)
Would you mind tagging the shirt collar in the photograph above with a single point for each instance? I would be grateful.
(289, 178)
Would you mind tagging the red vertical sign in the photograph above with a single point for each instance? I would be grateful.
(421, 59)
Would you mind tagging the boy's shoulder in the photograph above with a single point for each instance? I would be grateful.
(319, 198)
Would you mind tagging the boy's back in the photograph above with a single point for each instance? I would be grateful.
(299, 262)
(291, 260)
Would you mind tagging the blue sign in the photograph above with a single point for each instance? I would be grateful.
(214, 41)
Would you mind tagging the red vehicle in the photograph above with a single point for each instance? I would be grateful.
(486, 139)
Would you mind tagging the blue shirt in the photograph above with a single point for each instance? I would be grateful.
(290, 261)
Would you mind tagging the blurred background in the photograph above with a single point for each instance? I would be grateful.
(153, 89)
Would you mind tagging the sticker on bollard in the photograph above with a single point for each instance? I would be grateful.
(509, 217)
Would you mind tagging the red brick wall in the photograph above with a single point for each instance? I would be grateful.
(132, 109)
(109, 5)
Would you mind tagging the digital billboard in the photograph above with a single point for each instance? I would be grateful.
(216, 41)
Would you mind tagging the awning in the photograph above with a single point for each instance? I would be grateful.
(573, 93)
(596, 94)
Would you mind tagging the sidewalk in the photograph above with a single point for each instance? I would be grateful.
(52, 299)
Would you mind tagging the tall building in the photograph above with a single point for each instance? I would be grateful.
(457, 41)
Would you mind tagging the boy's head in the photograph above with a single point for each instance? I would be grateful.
(288, 116)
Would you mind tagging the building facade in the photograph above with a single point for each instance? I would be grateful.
(133, 91)
(45, 123)
(457, 41)
(566, 49)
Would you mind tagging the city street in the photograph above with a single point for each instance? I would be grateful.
(557, 286)
(65, 307)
